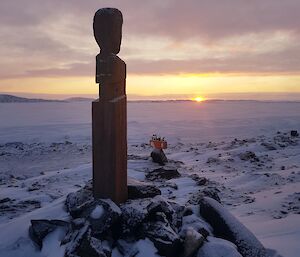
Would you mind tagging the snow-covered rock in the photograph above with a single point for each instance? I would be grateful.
(165, 239)
(39, 229)
(226, 226)
(216, 247)
(138, 190)
(192, 242)
(166, 173)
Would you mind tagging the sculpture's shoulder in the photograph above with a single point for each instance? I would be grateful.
(110, 69)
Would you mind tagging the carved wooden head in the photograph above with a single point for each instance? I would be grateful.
(108, 30)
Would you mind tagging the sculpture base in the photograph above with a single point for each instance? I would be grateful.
(109, 134)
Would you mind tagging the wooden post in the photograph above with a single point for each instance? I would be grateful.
(109, 112)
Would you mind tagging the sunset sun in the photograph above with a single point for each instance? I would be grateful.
(199, 99)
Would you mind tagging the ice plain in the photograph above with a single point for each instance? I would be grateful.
(243, 148)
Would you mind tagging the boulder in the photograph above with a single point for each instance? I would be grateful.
(39, 229)
(74, 240)
(5, 200)
(85, 245)
(78, 223)
(210, 191)
(192, 242)
(159, 205)
(187, 211)
(226, 226)
(178, 214)
(197, 223)
(103, 215)
(179, 209)
(158, 156)
(162, 174)
(248, 156)
(167, 242)
(137, 190)
(92, 247)
(284, 140)
(269, 146)
(216, 247)
(161, 210)
(133, 215)
(200, 181)
(294, 133)
(78, 201)
(127, 249)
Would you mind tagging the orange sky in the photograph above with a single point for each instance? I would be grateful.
(172, 49)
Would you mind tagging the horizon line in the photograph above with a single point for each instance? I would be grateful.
(163, 98)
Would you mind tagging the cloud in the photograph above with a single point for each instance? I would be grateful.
(176, 19)
(54, 37)
(284, 62)
(216, 19)
(73, 70)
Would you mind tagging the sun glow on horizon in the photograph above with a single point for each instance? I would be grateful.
(199, 99)
(170, 86)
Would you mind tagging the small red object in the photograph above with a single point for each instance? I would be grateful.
(158, 143)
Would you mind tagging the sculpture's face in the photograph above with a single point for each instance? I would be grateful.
(108, 30)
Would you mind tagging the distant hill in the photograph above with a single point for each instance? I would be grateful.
(79, 99)
(16, 99)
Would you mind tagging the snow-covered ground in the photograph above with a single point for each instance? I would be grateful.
(243, 148)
